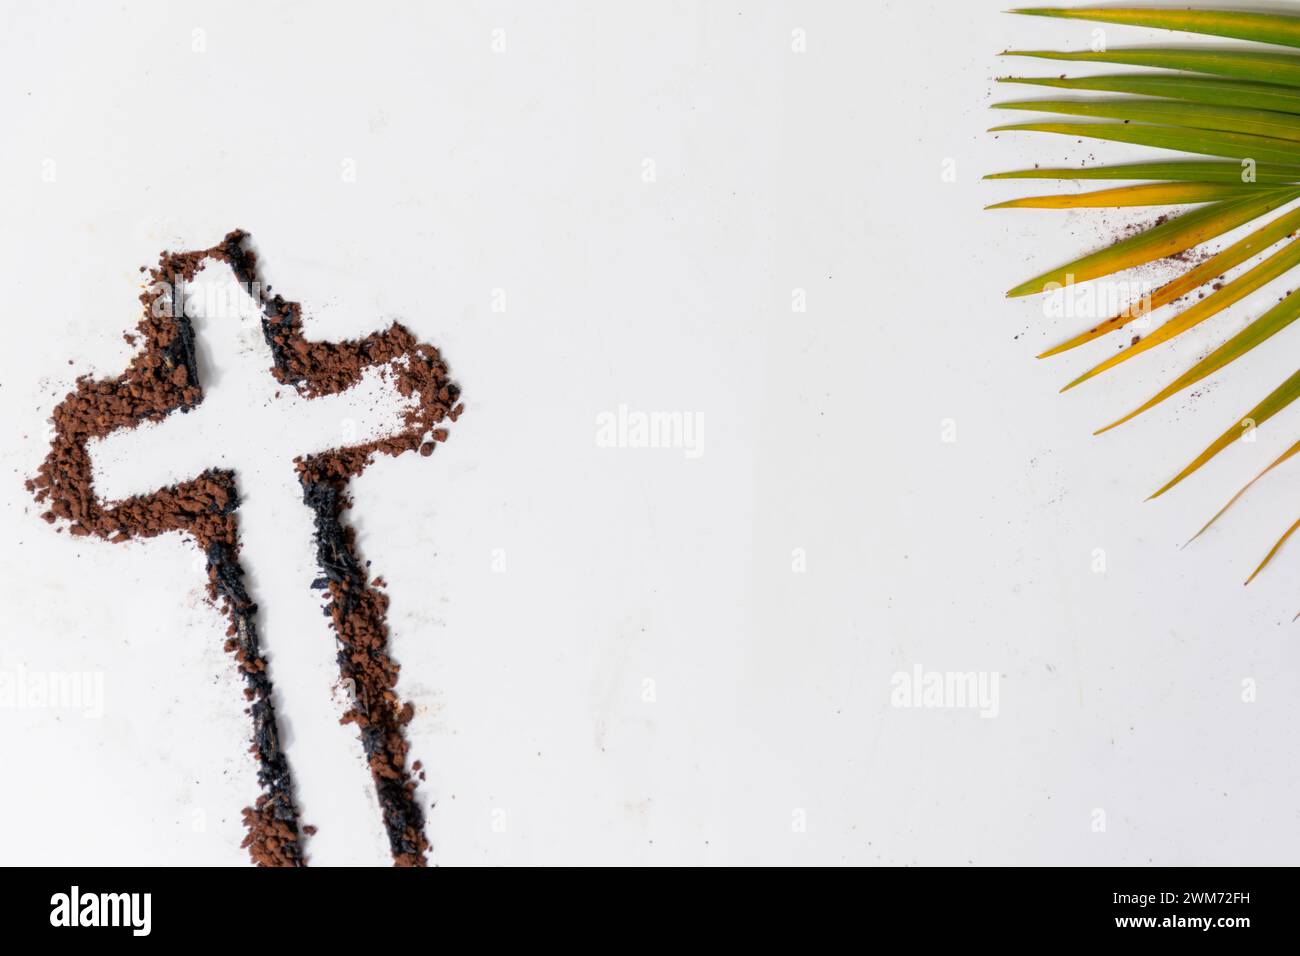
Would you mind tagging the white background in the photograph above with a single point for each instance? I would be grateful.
(522, 170)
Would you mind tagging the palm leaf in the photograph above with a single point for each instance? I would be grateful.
(1178, 86)
(1282, 68)
(1278, 399)
(1238, 107)
(1285, 456)
(1272, 551)
(1170, 112)
(1189, 281)
(1205, 142)
(1168, 239)
(1271, 268)
(1146, 194)
(1267, 325)
(1260, 27)
(1186, 171)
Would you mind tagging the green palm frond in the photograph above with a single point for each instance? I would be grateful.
(1178, 86)
(1238, 109)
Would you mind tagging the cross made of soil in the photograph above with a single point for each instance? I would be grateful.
(336, 405)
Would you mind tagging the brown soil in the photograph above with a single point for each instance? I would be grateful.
(161, 379)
